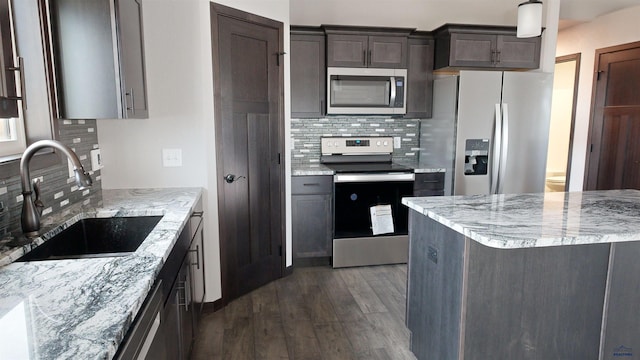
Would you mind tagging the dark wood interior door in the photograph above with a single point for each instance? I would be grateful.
(614, 154)
(249, 122)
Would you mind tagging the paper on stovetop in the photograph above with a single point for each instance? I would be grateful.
(381, 219)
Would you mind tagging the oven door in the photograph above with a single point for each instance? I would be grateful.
(355, 194)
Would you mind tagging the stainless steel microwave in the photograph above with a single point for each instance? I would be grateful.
(366, 91)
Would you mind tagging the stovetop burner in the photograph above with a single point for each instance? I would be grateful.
(367, 167)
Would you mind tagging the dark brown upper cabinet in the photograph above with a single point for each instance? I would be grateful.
(308, 72)
(366, 47)
(98, 47)
(420, 75)
(480, 46)
(8, 90)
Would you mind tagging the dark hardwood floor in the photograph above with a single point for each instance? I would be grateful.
(316, 313)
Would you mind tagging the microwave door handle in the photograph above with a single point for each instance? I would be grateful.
(392, 100)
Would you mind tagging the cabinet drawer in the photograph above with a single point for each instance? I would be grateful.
(317, 184)
(429, 181)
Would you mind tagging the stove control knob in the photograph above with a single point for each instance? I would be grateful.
(335, 144)
(328, 143)
(386, 143)
(378, 143)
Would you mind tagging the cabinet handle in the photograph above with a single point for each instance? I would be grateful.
(311, 184)
(369, 57)
(197, 251)
(183, 300)
(493, 56)
(498, 52)
(133, 100)
(23, 89)
(364, 57)
(197, 214)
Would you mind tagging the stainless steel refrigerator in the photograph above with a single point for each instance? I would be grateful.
(502, 129)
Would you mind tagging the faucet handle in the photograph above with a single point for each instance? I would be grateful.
(37, 202)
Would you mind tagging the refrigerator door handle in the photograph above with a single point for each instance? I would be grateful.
(504, 148)
(496, 151)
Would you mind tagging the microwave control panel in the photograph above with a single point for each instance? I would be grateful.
(361, 145)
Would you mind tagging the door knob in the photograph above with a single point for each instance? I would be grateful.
(229, 178)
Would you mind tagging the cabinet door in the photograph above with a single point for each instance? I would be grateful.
(171, 324)
(308, 76)
(472, 50)
(420, 78)
(84, 43)
(312, 225)
(518, 53)
(8, 107)
(387, 52)
(347, 50)
(132, 68)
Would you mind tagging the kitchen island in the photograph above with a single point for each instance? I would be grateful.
(529, 276)
(83, 308)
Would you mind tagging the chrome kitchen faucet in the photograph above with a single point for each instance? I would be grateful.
(32, 208)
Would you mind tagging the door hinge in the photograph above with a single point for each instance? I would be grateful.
(278, 158)
(278, 55)
(598, 76)
(280, 250)
(591, 148)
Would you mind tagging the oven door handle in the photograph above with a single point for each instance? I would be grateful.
(347, 178)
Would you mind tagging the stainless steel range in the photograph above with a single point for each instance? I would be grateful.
(370, 223)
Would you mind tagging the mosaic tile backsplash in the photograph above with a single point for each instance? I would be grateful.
(306, 134)
(58, 190)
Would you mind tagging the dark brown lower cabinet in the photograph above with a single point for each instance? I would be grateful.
(312, 217)
(166, 325)
(429, 184)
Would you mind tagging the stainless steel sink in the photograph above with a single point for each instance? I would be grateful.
(95, 237)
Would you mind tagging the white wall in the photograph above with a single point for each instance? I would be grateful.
(617, 28)
(180, 89)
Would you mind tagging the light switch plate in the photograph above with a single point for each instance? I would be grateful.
(171, 157)
(397, 142)
(96, 160)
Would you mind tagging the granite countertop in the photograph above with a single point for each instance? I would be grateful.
(82, 308)
(538, 220)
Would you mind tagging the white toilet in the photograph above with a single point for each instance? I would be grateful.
(556, 183)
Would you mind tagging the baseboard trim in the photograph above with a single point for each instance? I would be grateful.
(210, 307)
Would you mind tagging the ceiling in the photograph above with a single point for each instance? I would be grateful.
(429, 14)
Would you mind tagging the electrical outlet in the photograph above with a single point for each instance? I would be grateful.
(397, 142)
(171, 157)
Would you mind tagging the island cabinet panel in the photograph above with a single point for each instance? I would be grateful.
(535, 303)
(622, 335)
(312, 217)
(467, 301)
(308, 74)
(494, 47)
(434, 288)
(420, 76)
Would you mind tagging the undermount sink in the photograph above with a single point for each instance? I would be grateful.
(95, 237)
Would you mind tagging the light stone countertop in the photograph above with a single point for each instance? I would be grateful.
(82, 308)
(538, 220)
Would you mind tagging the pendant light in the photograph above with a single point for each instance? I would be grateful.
(529, 19)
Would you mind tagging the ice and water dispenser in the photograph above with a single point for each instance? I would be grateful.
(476, 156)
